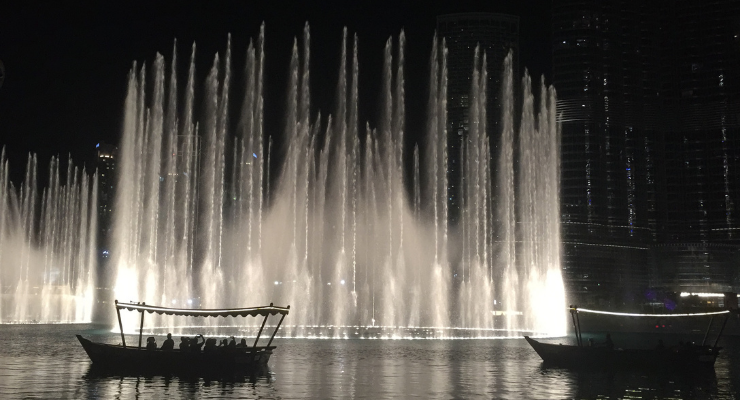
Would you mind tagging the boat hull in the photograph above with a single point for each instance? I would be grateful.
(602, 357)
(132, 359)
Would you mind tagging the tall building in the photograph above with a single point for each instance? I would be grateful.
(646, 170)
(606, 75)
(496, 34)
(106, 165)
(699, 230)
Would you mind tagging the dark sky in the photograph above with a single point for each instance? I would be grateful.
(66, 62)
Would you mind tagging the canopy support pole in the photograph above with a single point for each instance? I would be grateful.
(120, 325)
(141, 327)
(260, 332)
(580, 335)
(575, 326)
(719, 335)
(276, 329)
(707, 333)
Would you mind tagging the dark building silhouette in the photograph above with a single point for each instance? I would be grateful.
(645, 171)
(496, 34)
(606, 75)
(699, 229)
(105, 164)
(107, 178)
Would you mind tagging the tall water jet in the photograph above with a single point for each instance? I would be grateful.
(339, 234)
(47, 245)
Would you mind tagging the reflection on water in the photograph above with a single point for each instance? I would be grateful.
(46, 361)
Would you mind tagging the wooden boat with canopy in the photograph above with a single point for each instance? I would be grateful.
(600, 356)
(247, 359)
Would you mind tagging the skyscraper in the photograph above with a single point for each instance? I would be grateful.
(106, 165)
(648, 100)
(699, 230)
(606, 75)
(496, 34)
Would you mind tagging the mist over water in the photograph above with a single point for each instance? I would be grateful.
(47, 245)
(341, 235)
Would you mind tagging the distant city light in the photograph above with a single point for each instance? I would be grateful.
(174, 301)
(255, 155)
(686, 294)
(342, 281)
(276, 282)
(190, 301)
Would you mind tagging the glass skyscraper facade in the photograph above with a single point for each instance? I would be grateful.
(699, 231)
(647, 172)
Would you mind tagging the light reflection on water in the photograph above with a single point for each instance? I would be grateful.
(45, 361)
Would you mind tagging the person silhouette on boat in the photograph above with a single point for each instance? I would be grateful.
(151, 343)
(232, 343)
(195, 345)
(210, 346)
(184, 343)
(608, 342)
(168, 343)
(242, 344)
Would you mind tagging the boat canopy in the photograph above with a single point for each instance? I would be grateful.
(186, 312)
(575, 311)
(701, 314)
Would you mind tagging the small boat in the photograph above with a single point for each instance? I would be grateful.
(138, 359)
(679, 357)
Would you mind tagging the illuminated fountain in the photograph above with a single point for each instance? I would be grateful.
(47, 245)
(345, 235)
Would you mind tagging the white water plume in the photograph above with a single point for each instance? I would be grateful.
(47, 245)
(339, 235)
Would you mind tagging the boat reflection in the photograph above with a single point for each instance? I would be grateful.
(99, 373)
(642, 384)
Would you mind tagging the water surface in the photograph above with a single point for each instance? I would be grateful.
(45, 361)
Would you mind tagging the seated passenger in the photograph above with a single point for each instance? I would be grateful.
(210, 346)
(242, 344)
(184, 343)
(232, 343)
(151, 343)
(168, 344)
(195, 345)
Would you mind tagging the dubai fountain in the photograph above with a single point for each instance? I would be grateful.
(346, 234)
(47, 245)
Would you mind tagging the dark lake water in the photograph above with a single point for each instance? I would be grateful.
(46, 361)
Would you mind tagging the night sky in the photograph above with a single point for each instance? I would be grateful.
(67, 64)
